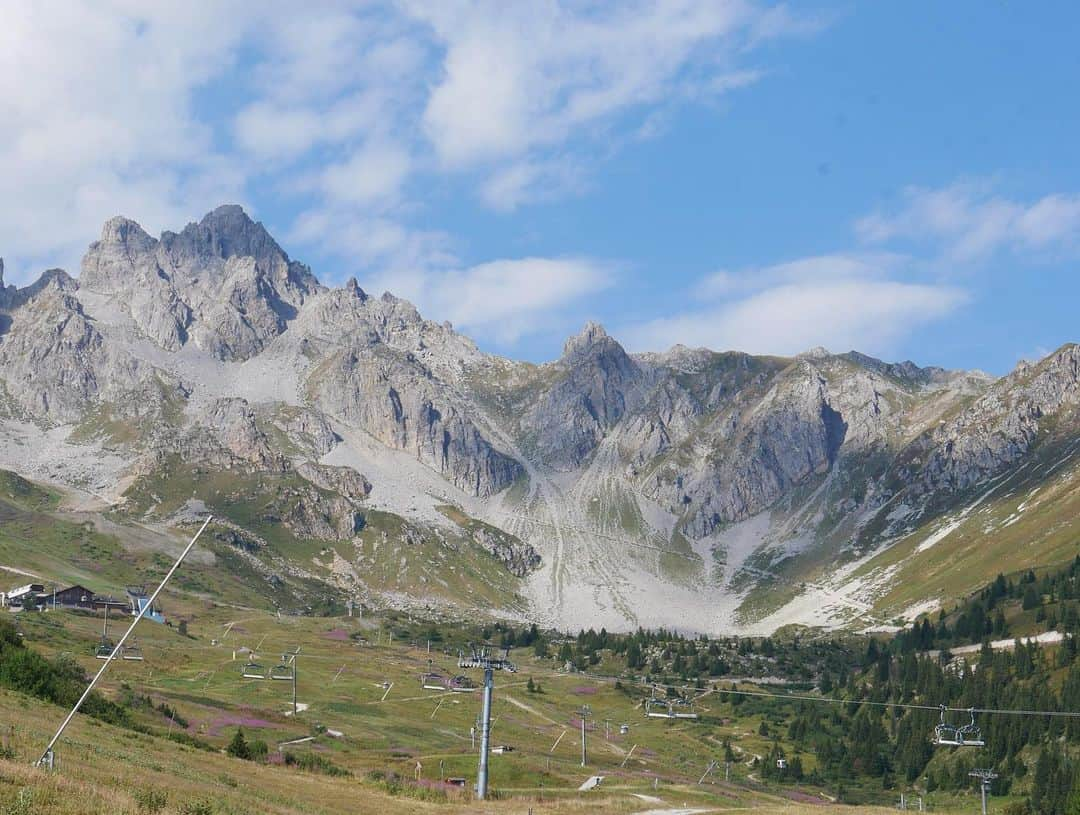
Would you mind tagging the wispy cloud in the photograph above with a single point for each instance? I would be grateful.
(503, 300)
(840, 301)
(967, 222)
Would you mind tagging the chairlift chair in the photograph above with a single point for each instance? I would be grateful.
(132, 652)
(667, 711)
(282, 671)
(433, 681)
(462, 684)
(105, 647)
(253, 670)
(949, 735)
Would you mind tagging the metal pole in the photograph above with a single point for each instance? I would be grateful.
(583, 747)
(485, 734)
(295, 659)
(149, 604)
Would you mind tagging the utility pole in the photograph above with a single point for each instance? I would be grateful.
(586, 711)
(294, 672)
(484, 657)
(985, 777)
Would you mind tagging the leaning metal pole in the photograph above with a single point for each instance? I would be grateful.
(485, 735)
(46, 756)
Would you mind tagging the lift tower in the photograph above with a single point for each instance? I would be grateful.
(985, 777)
(485, 657)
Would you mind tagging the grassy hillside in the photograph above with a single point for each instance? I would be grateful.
(366, 741)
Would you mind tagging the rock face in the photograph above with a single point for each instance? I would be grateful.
(395, 399)
(999, 429)
(55, 363)
(344, 481)
(758, 454)
(593, 381)
(385, 370)
(517, 556)
(222, 283)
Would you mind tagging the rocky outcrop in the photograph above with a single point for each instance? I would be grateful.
(234, 426)
(997, 430)
(345, 481)
(307, 430)
(55, 363)
(307, 513)
(518, 557)
(593, 382)
(397, 400)
(222, 283)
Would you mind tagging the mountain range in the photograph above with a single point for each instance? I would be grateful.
(347, 442)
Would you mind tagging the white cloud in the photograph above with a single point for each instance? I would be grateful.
(840, 301)
(502, 300)
(529, 181)
(373, 174)
(969, 223)
(813, 269)
(378, 242)
(520, 76)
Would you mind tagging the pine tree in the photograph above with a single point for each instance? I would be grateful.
(238, 747)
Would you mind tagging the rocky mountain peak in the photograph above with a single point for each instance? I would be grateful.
(227, 232)
(125, 232)
(223, 282)
(591, 337)
(353, 288)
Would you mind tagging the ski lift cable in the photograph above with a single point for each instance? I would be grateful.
(794, 697)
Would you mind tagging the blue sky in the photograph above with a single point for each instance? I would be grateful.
(897, 178)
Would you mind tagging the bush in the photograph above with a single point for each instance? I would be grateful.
(60, 681)
(150, 799)
(313, 762)
(203, 806)
(258, 750)
(238, 747)
(185, 738)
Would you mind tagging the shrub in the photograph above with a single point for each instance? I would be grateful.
(60, 681)
(258, 750)
(150, 799)
(238, 747)
(313, 762)
(202, 806)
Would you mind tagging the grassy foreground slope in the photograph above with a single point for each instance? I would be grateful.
(105, 768)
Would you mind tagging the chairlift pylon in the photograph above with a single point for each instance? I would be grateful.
(950, 735)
